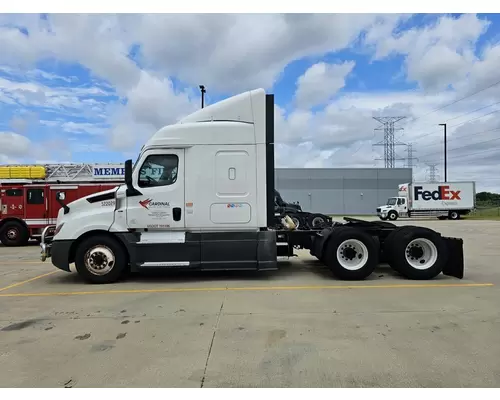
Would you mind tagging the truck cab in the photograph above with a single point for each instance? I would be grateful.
(201, 196)
(394, 208)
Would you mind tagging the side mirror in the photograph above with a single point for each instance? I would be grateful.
(128, 173)
(131, 190)
(60, 196)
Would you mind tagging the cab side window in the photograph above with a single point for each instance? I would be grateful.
(159, 170)
(401, 202)
(14, 192)
(35, 196)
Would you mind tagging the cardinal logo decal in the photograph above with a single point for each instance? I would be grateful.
(145, 203)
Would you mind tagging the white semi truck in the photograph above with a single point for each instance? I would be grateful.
(212, 208)
(423, 199)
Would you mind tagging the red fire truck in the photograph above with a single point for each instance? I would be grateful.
(28, 194)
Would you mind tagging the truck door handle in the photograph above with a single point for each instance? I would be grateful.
(177, 213)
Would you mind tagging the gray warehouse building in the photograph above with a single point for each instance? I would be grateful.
(340, 191)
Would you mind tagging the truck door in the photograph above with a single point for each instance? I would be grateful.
(160, 178)
(36, 205)
(11, 202)
(402, 206)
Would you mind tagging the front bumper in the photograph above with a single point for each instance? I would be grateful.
(382, 213)
(46, 242)
(58, 251)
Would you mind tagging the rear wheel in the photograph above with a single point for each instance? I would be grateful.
(351, 254)
(296, 221)
(14, 233)
(418, 253)
(316, 221)
(454, 215)
(100, 259)
(389, 245)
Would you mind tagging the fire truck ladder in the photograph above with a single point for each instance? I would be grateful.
(70, 172)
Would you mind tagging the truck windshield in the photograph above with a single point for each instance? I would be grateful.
(391, 201)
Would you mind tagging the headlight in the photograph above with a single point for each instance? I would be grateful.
(58, 228)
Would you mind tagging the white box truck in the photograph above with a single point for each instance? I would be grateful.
(423, 199)
(213, 208)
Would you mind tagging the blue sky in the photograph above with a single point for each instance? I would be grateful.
(94, 88)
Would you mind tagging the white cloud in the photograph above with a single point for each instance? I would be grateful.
(13, 144)
(231, 53)
(437, 55)
(321, 82)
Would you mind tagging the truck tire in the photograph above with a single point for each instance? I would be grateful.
(297, 221)
(100, 259)
(389, 245)
(316, 221)
(454, 215)
(14, 233)
(351, 254)
(417, 253)
(392, 215)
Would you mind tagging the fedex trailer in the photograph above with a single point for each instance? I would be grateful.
(423, 199)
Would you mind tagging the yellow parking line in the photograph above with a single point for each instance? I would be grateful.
(247, 288)
(21, 262)
(26, 281)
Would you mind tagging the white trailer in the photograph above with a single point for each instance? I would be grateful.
(423, 199)
(212, 207)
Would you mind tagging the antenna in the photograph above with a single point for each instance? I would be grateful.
(203, 91)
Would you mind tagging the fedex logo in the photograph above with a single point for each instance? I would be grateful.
(442, 193)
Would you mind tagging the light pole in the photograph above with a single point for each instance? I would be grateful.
(445, 174)
(202, 88)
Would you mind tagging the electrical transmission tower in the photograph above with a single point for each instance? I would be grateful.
(389, 142)
(409, 158)
(433, 177)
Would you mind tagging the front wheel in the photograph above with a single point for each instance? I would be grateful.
(393, 215)
(100, 259)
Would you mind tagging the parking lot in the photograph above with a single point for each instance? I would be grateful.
(296, 327)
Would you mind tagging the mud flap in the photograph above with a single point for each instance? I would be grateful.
(455, 265)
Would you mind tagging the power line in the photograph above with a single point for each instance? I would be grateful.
(461, 137)
(454, 102)
(468, 113)
(461, 123)
(471, 112)
(388, 142)
(467, 145)
(461, 156)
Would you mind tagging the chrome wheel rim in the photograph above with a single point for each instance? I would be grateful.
(421, 253)
(12, 234)
(352, 254)
(99, 260)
